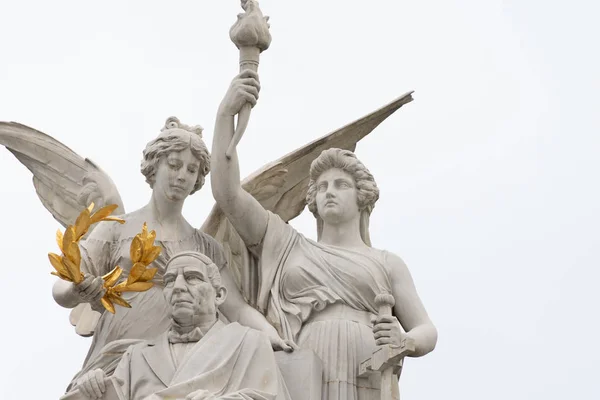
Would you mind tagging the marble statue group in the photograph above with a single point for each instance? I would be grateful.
(242, 306)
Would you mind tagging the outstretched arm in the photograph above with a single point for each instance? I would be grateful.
(245, 213)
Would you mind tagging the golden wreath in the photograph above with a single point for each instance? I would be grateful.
(142, 253)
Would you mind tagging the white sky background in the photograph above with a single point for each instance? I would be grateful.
(489, 187)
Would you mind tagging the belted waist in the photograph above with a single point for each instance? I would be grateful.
(343, 312)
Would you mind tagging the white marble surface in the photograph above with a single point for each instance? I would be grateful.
(495, 159)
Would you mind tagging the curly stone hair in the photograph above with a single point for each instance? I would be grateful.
(368, 192)
(177, 137)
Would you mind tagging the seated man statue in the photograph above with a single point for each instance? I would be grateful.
(199, 357)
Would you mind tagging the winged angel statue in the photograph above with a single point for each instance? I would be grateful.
(175, 165)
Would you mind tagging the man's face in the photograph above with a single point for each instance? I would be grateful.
(189, 292)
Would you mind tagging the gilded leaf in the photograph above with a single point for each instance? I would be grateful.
(120, 287)
(148, 275)
(138, 287)
(136, 272)
(64, 278)
(73, 270)
(111, 278)
(135, 251)
(115, 219)
(115, 298)
(91, 207)
(144, 233)
(151, 254)
(56, 262)
(103, 213)
(72, 252)
(108, 305)
(82, 224)
(149, 242)
(59, 239)
(69, 237)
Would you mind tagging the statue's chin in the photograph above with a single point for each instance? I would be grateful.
(182, 314)
(331, 215)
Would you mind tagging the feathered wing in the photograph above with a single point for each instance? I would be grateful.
(65, 182)
(281, 188)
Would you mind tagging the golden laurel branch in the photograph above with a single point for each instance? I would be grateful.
(143, 253)
(67, 265)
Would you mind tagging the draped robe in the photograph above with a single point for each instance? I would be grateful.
(323, 298)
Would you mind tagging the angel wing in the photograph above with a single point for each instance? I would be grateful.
(65, 183)
(281, 188)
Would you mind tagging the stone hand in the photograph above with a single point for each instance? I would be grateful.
(243, 89)
(278, 344)
(92, 385)
(91, 289)
(200, 394)
(387, 330)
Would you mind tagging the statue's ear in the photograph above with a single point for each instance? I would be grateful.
(221, 295)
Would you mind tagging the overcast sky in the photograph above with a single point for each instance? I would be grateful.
(489, 179)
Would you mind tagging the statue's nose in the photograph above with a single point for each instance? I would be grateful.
(179, 285)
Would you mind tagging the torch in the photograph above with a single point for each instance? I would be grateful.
(251, 36)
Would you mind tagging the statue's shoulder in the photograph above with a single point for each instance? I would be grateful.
(397, 267)
(208, 238)
(390, 261)
(209, 241)
(393, 260)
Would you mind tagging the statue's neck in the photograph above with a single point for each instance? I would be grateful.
(342, 234)
(186, 327)
(165, 210)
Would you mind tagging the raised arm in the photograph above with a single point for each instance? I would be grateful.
(244, 212)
